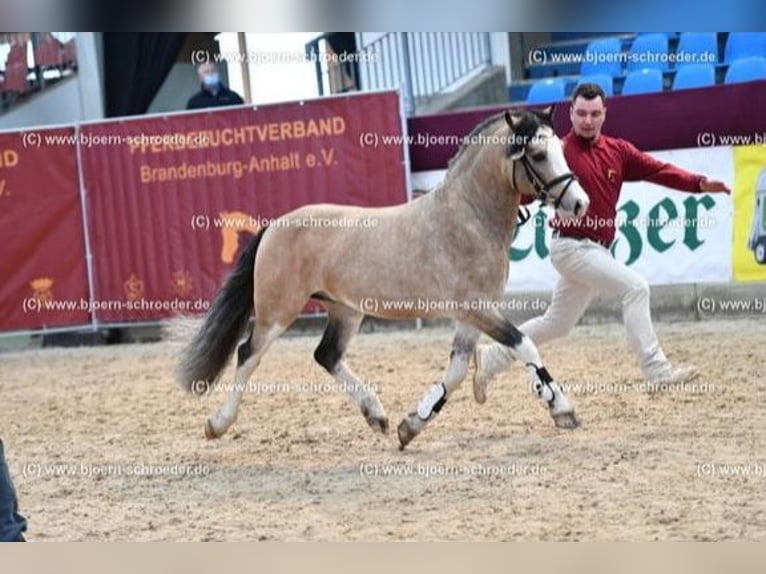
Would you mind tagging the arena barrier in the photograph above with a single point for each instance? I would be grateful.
(669, 237)
(130, 236)
(135, 220)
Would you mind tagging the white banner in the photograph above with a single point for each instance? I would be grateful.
(667, 236)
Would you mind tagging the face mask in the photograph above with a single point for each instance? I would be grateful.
(211, 80)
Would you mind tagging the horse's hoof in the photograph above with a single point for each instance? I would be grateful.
(566, 420)
(210, 433)
(378, 424)
(406, 434)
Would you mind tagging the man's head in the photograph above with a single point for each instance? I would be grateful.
(588, 110)
(208, 75)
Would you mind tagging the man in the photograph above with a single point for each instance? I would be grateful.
(12, 524)
(213, 92)
(580, 250)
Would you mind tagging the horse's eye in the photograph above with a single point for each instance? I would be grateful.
(538, 157)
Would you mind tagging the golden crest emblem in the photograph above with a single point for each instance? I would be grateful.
(134, 288)
(181, 282)
(42, 289)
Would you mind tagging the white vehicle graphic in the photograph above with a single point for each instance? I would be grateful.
(757, 241)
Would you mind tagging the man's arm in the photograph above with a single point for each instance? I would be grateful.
(640, 166)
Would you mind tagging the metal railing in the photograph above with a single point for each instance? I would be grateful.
(421, 64)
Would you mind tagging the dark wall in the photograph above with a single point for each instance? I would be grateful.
(665, 120)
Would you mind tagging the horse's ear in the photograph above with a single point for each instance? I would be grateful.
(517, 150)
(546, 114)
(512, 120)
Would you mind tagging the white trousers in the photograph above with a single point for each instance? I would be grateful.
(587, 269)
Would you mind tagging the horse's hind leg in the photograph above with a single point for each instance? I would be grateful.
(462, 348)
(343, 323)
(249, 354)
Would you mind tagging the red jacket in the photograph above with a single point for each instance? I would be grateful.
(601, 167)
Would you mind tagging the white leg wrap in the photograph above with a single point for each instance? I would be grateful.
(527, 352)
(433, 401)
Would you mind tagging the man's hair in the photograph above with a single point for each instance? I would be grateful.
(589, 92)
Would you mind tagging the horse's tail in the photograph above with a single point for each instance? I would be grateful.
(207, 354)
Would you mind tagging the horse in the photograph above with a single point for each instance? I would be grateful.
(448, 248)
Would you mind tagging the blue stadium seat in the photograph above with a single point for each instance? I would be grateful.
(642, 82)
(604, 80)
(746, 70)
(649, 51)
(547, 91)
(666, 34)
(699, 47)
(602, 57)
(745, 45)
(694, 76)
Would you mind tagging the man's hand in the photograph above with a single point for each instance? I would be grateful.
(713, 186)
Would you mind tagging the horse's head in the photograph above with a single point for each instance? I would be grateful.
(538, 156)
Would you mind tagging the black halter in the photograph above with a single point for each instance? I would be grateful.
(542, 187)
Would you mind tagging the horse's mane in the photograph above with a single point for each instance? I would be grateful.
(530, 122)
(475, 131)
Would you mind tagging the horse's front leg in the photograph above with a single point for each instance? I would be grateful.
(523, 348)
(426, 410)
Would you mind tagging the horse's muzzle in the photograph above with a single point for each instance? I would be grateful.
(580, 208)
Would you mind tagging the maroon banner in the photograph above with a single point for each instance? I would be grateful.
(44, 280)
(172, 200)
